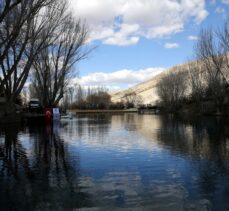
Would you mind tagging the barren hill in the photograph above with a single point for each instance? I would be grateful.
(146, 90)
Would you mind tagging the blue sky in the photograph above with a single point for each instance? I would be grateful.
(137, 39)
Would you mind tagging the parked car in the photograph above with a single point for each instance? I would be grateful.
(35, 106)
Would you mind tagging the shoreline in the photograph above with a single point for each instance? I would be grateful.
(81, 111)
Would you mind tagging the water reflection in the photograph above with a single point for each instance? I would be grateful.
(109, 162)
(35, 171)
(202, 137)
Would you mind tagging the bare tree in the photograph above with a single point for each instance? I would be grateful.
(131, 99)
(171, 89)
(16, 15)
(54, 63)
(210, 52)
(79, 94)
(7, 6)
(223, 36)
(91, 97)
(21, 33)
(98, 100)
(197, 81)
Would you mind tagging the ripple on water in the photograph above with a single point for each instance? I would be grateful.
(110, 162)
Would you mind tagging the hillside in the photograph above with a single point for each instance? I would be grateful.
(146, 90)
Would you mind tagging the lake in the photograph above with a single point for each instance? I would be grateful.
(116, 162)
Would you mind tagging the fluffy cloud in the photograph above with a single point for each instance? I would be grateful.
(118, 79)
(191, 37)
(121, 37)
(124, 22)
(171, 45)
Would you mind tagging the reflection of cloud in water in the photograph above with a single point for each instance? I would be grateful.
(146, 132)
(116, 132)
(122, 189)
(131, 162)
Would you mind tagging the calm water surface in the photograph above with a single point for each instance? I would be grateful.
(116, 162)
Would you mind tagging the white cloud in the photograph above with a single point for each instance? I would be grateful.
(121, 41)
(161, 31)
(119, 79)
(171, 45)
(123, 37)
(124, 22)
(191, 37)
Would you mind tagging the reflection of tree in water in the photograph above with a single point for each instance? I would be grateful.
(40, 175)
(131, 122)
(173, 135)
(203, 137)
(98, 125)
(94, 125)
(213, 167)
(206, 141)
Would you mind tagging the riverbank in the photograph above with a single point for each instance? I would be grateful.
(206, 108)
(80, 111)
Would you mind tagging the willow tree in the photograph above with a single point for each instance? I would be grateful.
(53, 65)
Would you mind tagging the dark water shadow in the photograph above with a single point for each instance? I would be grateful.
(35, 170)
